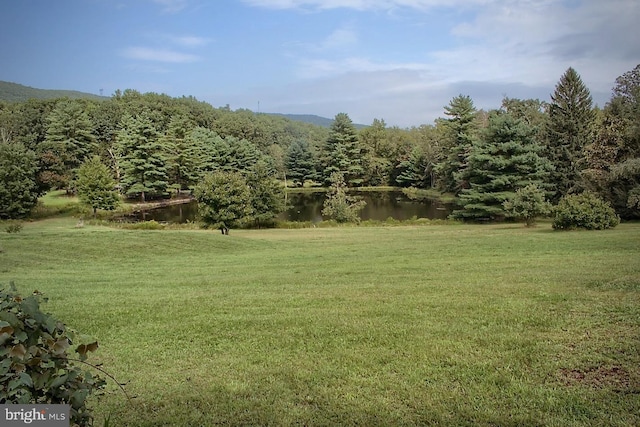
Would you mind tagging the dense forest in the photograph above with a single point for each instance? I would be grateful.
(154, 145)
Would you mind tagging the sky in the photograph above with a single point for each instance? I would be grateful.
(397, 60)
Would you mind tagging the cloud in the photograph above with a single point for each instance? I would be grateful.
(185, 41)
(340, 38)
(158, 55)
(497, 48)
(172, 6)
(362, 4)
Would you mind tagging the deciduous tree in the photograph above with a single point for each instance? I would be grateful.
(95, 185)
(224, 200)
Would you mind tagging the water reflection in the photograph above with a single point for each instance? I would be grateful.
(381, 205)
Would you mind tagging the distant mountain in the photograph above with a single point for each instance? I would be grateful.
(313, 119)
(18, 93)
(14, 92)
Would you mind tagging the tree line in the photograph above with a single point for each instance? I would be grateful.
(153, 145)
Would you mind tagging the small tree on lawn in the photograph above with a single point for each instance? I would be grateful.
(527, 204)
(95, 186)
(338, 206)
(224, 200)
(267, 194)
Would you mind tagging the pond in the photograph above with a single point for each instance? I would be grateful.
(381, 205)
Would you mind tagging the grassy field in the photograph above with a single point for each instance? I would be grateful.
(424, 325)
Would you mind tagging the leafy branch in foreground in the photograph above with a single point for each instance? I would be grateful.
(36, 366)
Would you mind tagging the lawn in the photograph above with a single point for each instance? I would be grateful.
(410, 325)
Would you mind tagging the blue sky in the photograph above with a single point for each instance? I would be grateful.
(399, 60)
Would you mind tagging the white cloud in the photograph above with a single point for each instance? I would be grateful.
(158, 55)
(515, 48)
(187, 41)
(362, 4)
(172, 6)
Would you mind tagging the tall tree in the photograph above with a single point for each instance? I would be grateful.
(462, 129)
(614, 157)
(184, 160)
(18, 187)
(143, 158)
(69, 135)
(569, 130)
(376, 153)
(341, 152)
(300, 162)
(504, 160)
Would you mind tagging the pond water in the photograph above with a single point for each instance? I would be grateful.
(308, 207)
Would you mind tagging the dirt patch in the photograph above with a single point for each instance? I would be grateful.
(613, 377)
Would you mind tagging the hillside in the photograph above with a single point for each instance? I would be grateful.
(14, 92)
(313, 119)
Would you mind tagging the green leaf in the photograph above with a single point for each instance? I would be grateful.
(57, 382)
(26, 380)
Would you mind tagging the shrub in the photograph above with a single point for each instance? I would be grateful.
(144, 225)
(340, 207)
(36, 367)
(586, 211)
(527, 204)
(13, 227)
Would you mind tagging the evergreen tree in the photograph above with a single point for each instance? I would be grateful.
(415, 170)
(143, 158)
(462, 128)
(341, 152)
(338, 205)
(569, 130)
(69, 136)
(300, 162)
(185, 160)
(95, 185)
(505, 159)
(18, 187)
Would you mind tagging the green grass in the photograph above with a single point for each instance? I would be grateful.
(414, 325)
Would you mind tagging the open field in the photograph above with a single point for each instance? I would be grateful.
(425, 325)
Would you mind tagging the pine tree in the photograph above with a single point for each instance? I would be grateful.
(300, 163)
(143, 158)
(18, 187)
(569, 130)
(184, 161)
(504, 160)
(462, 128)
(341, 151)
(69, 136)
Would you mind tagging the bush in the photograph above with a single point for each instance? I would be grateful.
(36, 367)
(527, 204)
(13, 227)
(586, 211)
(340, 207)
